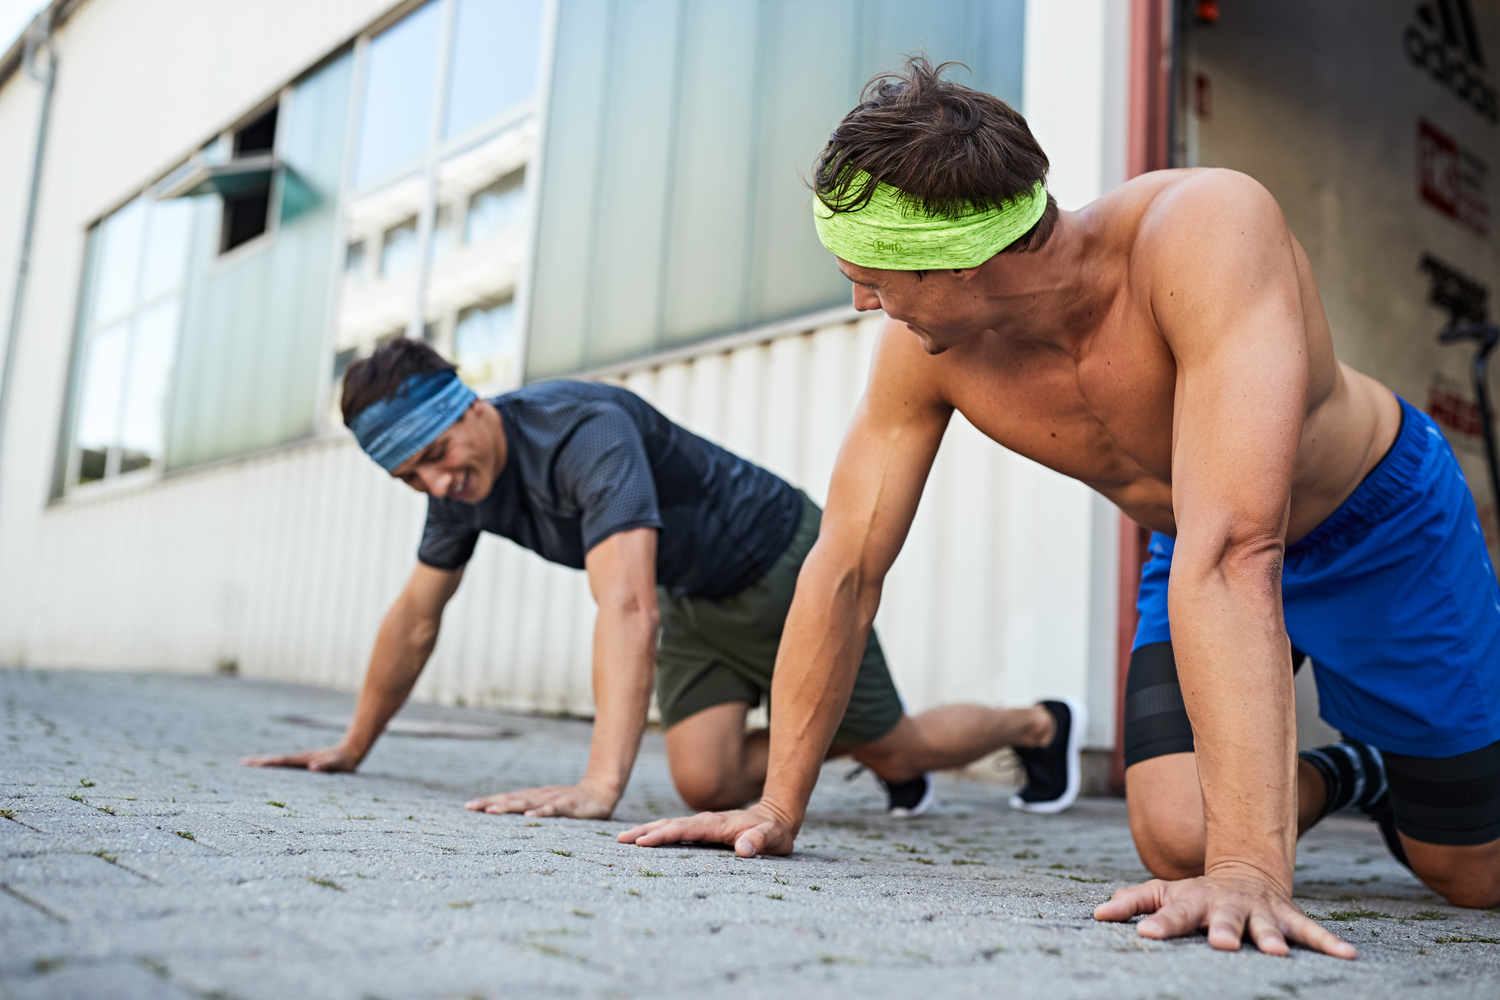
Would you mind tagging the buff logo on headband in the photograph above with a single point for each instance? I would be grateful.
(892, 232)
(393, 430)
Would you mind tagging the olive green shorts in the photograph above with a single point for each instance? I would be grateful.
(722, 650)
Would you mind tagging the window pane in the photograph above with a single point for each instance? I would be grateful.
(354, 260)
(400, 248)
(892, 28)
(341, 362)
(495, 46)
(254, 327)
(151, 351)
(495, 208)
(808, 89)
(637, 131)
(99, 395)
(569, 196)
(443, 235)
(673, 205)
(167, 235)
(484, 344)
(713, 196)
(119, 261)
(397, 121)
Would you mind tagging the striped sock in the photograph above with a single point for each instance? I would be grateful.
(1352, 772)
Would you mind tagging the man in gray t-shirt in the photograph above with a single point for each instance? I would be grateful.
(692, 555)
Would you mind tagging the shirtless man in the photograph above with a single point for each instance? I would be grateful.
(1166, 346)
(692, 554)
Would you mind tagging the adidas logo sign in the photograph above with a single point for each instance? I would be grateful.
(1444, 41)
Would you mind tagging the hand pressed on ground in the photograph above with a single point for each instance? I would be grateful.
(578, 801)
(757, 830)
(1230, 906)
(321, 759)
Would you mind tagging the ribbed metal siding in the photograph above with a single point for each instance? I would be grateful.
(286, 562)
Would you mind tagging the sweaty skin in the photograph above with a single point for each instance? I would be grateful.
(1167, 347)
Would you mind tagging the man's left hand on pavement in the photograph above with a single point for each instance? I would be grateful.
(1230, 906)
(578, 801)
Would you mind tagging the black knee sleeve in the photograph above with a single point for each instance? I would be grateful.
(1452, 801)
(1156, 720)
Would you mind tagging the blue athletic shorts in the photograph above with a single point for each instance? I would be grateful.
(1394, 598)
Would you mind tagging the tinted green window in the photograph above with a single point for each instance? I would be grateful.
(132, 304)
(494, 60)
(396, 126)
(436, 233)
(254, 326)
(673, 203)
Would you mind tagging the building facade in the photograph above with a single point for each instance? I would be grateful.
(226, 213)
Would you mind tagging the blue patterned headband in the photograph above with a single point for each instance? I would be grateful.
(393, 430)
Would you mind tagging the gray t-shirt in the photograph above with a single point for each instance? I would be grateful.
(586, 460)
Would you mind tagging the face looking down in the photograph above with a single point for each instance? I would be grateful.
(942, 307)
(462, 463)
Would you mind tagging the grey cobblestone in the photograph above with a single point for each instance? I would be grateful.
(137, 860)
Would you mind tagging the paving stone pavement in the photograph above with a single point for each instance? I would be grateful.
(138, 860)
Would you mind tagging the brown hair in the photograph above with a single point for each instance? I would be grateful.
(369, 380)
(947, 147)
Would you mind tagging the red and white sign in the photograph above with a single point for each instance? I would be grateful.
(1451, 178)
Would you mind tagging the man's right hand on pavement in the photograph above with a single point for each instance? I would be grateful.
(322, 759)
(752, 831)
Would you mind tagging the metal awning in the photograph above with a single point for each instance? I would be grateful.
(238, 178)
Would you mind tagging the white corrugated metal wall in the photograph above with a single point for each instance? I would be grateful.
(285, 562)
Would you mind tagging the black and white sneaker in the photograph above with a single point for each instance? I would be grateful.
(909, 798)
(1053, 772)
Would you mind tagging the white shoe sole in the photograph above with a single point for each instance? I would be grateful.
(901, 812)
(1080, 721)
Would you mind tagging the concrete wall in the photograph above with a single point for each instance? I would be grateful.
(1321, 103)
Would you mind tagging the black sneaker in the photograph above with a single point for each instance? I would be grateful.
(909, 798)
(1053, 772)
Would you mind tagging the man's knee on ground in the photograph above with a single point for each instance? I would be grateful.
(708, 785)
(1476, 895)
(1166, 815)
(1466, 876)
(1170, 847)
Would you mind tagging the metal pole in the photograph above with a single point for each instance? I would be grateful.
(1488, 336)
(1482, 395)
(38, 36)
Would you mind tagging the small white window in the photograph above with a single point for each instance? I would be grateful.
(129, 340)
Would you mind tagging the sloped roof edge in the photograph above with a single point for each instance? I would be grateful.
(60, 11)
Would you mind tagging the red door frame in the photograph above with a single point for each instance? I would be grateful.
(1149, 135)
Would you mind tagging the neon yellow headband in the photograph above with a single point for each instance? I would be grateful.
(891, 232)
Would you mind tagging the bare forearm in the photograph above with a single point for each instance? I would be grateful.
(402, 647)
(624, 669)
(1231, 648)
(819, 657)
